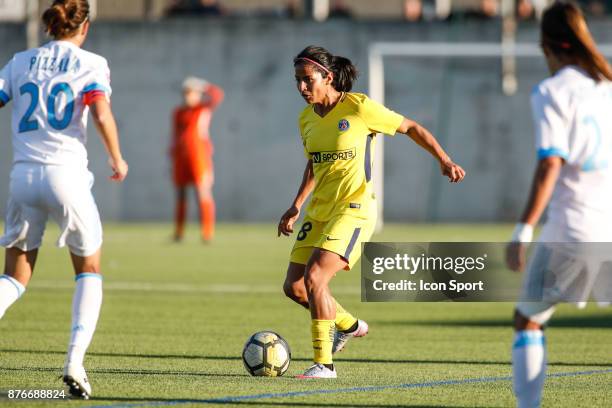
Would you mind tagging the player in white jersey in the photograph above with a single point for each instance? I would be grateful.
(53, 88)
(574, 178)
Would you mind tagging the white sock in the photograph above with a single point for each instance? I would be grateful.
(529, 367)
(10, 291)
(85, 311)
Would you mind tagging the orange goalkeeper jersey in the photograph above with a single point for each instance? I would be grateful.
(192, 148)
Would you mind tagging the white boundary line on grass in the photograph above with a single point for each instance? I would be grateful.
(374, 388)
(220, 288)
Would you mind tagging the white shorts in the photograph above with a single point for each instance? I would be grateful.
(565, 272)
(38, 191)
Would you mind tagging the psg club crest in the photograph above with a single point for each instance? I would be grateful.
(343, 125)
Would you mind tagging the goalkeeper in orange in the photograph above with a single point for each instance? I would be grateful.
(191, 151)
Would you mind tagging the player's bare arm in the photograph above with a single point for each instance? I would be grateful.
(107, 127)
(544, 179)
(426, 140)
(214, 95)
(285, 226)
(543, 184)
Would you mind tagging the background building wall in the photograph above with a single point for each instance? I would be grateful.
(258, 154)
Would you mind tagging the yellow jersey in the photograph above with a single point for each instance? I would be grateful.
(341, 145)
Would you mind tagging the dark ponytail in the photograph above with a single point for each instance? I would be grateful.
(345, 73)
(64, 17)
(566, 34)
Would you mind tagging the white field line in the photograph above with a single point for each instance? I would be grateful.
(222, 288)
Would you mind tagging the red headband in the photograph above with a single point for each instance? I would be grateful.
(315, 63)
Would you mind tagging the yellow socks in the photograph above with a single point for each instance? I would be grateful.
(344, 320)
(323, 340)
(323, 334)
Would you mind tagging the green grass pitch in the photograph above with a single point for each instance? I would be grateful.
(175, 318)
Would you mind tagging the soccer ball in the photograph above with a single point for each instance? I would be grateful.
(266, 354)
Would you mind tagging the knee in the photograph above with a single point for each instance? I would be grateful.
(295, 291)
(206, 194)
(205, 189)
(91, 264)
(313, 278)
(86, 265)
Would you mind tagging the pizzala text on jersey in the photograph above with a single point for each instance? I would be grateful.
(53, 64)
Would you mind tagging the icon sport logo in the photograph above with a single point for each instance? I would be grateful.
(343, 125)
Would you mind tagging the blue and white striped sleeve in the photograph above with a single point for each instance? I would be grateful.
(5, 84)
(98, 84)
(551, 125)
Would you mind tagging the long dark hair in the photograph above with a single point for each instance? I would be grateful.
(565, 32)
(345, 73)
(64, 17)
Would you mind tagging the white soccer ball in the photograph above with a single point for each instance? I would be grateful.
(266, 354)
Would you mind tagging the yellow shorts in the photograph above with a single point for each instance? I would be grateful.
(343, 235)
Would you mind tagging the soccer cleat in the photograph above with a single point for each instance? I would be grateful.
(340, 338)
(76, 380)
(318, 371)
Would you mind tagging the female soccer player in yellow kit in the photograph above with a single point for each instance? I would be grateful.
(338, 130)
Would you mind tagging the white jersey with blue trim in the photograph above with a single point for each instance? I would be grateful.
(50, 87)
(573, 120)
